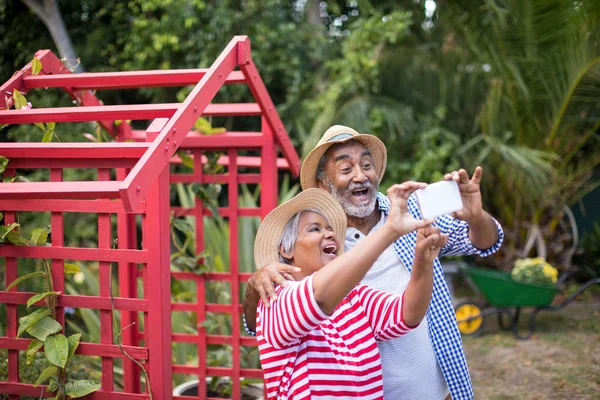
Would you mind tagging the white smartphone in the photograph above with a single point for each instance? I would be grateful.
(439, 198)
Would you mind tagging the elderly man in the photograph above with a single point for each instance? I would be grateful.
(429, 362)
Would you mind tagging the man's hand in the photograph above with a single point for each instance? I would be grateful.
(264, 279)
(399, 218)
(470, 194)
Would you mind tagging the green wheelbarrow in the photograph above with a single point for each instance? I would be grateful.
(505, 298)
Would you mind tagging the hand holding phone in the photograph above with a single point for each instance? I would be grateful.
(439, 198)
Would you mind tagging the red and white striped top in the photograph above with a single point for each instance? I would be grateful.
(307, 354)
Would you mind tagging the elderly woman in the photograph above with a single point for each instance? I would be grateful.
(317, 338)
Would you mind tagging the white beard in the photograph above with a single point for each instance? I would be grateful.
(350, 208)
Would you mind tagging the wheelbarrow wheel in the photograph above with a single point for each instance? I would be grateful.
(468, 315)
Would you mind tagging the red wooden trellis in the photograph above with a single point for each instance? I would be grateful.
(141, 188)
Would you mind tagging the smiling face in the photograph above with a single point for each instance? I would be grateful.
(350, 176)
(315, 245)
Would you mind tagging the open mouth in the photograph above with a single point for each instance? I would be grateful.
(331, 249)
(360, 193)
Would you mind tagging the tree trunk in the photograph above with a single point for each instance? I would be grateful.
(48, 12)
(313, 13)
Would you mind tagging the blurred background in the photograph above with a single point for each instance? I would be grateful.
(512, 85)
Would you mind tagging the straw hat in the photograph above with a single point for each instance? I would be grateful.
(341, 134)
(271, 229)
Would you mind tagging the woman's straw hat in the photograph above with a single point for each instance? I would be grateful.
(341, 134)
(271, 229)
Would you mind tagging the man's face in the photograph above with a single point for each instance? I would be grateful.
(351, 178)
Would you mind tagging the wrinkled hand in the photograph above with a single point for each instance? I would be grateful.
(429, 243)
(399, 218)
(263, 280)
(469, 192)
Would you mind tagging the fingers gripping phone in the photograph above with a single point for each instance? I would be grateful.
(439, 198)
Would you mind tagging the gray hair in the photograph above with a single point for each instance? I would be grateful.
(290, 235)
(320, 173)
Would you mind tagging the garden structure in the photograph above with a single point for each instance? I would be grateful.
(131, 191)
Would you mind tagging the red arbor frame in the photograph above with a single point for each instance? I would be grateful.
(141, 188)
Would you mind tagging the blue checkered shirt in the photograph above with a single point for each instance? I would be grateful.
(441, 320)
(443, 329)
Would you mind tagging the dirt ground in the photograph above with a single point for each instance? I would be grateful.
(561, 360)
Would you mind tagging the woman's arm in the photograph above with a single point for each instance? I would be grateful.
(335, 280)
(390, 315)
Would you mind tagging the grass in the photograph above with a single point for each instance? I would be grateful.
(560, 361)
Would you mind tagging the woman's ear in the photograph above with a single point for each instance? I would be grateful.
(287, 256)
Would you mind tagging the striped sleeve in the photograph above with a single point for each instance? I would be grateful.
(292, 316)
(459, 243)
(384, 312)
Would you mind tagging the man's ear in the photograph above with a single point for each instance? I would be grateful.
(322, 185)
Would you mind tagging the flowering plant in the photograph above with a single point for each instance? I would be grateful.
(534, 270)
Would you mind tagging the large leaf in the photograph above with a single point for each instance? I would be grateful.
(73, 344)
(57, 349)
(36, 66)
(4, 230)
(24, 278)
(71, 269)
(46, 374)
(44, 327)
(39, 236)
(28, 320)
(40, 296)
(19, 99)
(32, 349)
(3, 164)
(81, 388)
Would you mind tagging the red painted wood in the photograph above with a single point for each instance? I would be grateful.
(106, 322)
(268, 172)
(78, 206)
(261, 95)
(11, 274)
(127, 239)
(73, 253)
(178, 126)
(52, 190)
(243, 161)
(72, 150)
(73, 163)
(32, 391)
(79, 301)
(158, 324)
(125, 79)
(121, 112)
(86, 349)
(58, 240)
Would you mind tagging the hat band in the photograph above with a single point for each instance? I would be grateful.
(340, 136)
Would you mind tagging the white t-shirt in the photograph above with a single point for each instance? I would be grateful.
(410, 368)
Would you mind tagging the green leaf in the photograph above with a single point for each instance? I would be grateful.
(40, 296)
(15, 238)
(33, 348)
(46, 374)
(47, 136)
(203, 126)
(186, 160)
(53, 386)
(24, 278)
(19, 99)
(2, 126)
(40, 125)
(71, 268)
(81, 388)
(39, 236)
(57, 349)
(44, 327)
(73, 344)
(51, 125)
(28, 320)
(4, 230)
(1, 216)
(36, 66)
(3, 164)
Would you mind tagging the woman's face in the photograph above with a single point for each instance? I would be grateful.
(316, 245)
